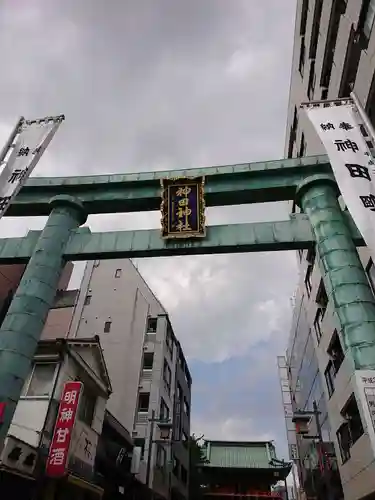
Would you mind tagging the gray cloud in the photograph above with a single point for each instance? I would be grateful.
(152, 84)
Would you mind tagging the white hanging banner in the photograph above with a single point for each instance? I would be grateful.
(351, 161)
(30, 142)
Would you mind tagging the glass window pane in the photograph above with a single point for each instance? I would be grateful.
(41, 380)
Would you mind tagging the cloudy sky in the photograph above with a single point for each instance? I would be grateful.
(163, 84)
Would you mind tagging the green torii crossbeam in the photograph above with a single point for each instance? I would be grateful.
(68, 201)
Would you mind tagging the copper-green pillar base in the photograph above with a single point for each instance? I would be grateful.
(24, 322)
(343, 274)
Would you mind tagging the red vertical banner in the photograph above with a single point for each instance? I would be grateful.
(62, 435)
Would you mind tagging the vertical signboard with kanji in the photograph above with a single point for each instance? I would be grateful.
(183, 208)
(351, 161)
(62, 435)
(31, 139)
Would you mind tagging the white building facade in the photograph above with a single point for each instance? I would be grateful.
(145, 362)
(334, 48)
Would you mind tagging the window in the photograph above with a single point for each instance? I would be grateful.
(335, 352)
(87, 300)
(169, 340)
(351, 413)
(148, 360)
(184, 476)
(160, 456)
(40, 382)
(312, 80)
(301, 64)
(176, 466)
(164, 410)
(140, 443)
(317, 322)
(321, 298)
(186, 407)
(151, 325)
(351, 430)
(167, 375)
(118, 273)
(304, 12)
(302, 147)
(291, 143)
(315, 28)
(370, 271)
(87, 405)
(369, 16)
(351, 63)
(293, 132)
(338, 9)
(308, 283)
(329, 375)
(185, 439)
(143, 401)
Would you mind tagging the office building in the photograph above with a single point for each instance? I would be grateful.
(146, 366)
(334, 48)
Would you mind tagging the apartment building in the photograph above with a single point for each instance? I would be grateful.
(334, 48)
(146, 366)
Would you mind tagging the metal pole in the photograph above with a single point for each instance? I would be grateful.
(149, 451)
(363, 115)
(296, 492)
(10, 140)
(321, 450)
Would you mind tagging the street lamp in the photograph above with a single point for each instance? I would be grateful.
(165, 427)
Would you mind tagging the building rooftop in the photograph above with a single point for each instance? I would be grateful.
(239, 454)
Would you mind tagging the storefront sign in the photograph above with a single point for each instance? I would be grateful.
(183, 207)
(62, 435)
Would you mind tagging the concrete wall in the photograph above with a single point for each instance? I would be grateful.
(57, 323)
(124, 301)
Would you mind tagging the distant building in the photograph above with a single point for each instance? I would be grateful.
(145, 361)
(241, 469)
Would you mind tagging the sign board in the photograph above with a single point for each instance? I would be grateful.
(62, 435)
(183, 208)
(293, 452)
(365, 391)
(351, 161)
(30, 140)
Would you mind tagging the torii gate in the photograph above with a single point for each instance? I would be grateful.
(67, 201)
